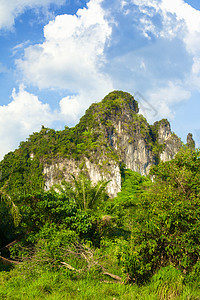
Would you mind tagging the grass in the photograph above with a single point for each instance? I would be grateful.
(22, 284)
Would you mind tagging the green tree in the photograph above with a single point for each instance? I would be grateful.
(84, 193)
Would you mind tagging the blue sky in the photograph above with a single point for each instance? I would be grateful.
(59, 56)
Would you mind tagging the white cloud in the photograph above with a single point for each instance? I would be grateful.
(164, 99)
(183, 11)
(70, 108)
(191, 18)
(11, 9)
(23, 115)
(20, 47)
(74, 58)
(179, 20)
(71, 56)
(172, 24)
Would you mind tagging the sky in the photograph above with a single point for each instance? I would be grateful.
(59, 56)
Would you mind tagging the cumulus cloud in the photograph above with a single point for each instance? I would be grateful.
(70, 108)
(170, 25)
(23, 115)
(10, 10)
(71, 56)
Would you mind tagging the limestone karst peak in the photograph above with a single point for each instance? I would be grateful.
(110, 134)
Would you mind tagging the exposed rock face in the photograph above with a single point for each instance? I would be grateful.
(131, 146)
(137, 156)
(164, 131)
(60, 170)
(170, 140)
(113, 176)
(190, 141)
(63, 170)
(122, 136)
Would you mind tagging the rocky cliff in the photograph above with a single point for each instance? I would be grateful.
(112, 133)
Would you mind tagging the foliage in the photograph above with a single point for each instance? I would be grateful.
(53, 208)
(85, 194)
(166, 223)
(123, 208)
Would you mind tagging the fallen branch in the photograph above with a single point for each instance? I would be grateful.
(7, 261)
(113, 276)
(70, 267)
(116, 277)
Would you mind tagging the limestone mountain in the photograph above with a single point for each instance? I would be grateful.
(110, 136)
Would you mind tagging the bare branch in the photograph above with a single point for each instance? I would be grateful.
(7, 261)
(70, 267)
(116, 277)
